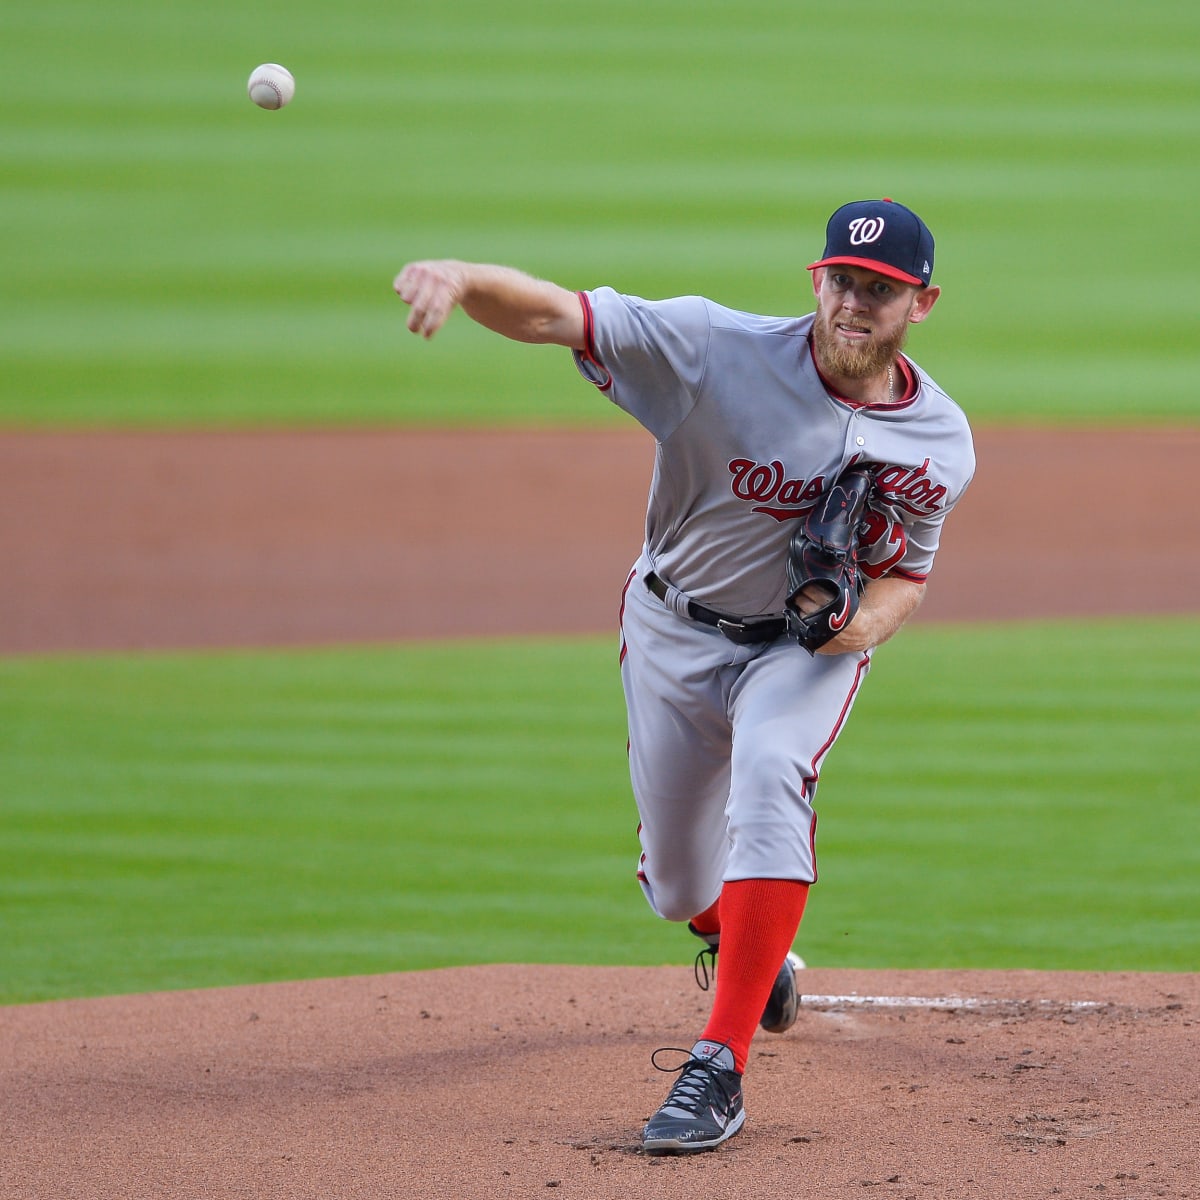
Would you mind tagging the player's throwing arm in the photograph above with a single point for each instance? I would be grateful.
(505, 300)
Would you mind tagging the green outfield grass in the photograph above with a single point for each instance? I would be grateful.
(1010, 796)
(172, 255)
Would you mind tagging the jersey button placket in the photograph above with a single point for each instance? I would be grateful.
(855, 441)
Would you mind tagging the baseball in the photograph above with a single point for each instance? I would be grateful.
(271, 86)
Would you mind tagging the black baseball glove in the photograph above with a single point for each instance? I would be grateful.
(824, 583)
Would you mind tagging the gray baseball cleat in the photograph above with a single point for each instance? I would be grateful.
(783, 1004)
(703, 1107)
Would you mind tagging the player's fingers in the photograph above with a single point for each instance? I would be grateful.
(431, 307)
(408, 286)
(431, 295)
(415, 292)
(812, 597)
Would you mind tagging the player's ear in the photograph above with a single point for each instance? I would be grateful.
(926, 299)
(817, 276)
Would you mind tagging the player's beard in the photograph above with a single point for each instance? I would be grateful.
(856, 362)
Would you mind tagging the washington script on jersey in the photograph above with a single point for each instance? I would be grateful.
(767, 485)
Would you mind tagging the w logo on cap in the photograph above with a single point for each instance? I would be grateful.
(881, 236)
(865, 230)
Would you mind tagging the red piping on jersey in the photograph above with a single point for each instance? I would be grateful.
(621, 619)
(909, 391)
(810, 781)
(601, 377)
(589, 322)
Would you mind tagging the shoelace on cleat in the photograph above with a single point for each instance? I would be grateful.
(691, 1091)
(704, 971)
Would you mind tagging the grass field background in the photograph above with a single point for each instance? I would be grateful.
(1004, 797)
(173, 256)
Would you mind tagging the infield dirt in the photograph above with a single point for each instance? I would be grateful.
(151, 540)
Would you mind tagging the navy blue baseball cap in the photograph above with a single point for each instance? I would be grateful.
(882, 236)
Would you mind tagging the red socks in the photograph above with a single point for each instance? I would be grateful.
(708, 923)
(758, 921)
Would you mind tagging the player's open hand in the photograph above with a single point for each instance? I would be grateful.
(432, 289)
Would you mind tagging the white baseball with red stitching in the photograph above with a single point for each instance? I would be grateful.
(271, 86)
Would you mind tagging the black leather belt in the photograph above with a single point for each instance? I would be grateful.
(743, 632)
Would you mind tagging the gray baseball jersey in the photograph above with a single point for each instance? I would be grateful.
(748, 437)
(727, 740)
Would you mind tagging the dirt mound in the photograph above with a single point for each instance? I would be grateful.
(501, 1081)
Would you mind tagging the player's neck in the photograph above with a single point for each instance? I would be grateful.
(883, 388)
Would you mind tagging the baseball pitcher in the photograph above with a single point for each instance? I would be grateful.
(804, 468)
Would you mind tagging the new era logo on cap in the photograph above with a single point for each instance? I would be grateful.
(882, 236)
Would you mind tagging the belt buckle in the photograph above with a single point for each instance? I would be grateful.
(737, 631)
(742, 633)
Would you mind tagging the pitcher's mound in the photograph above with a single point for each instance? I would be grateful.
(499, 1081)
